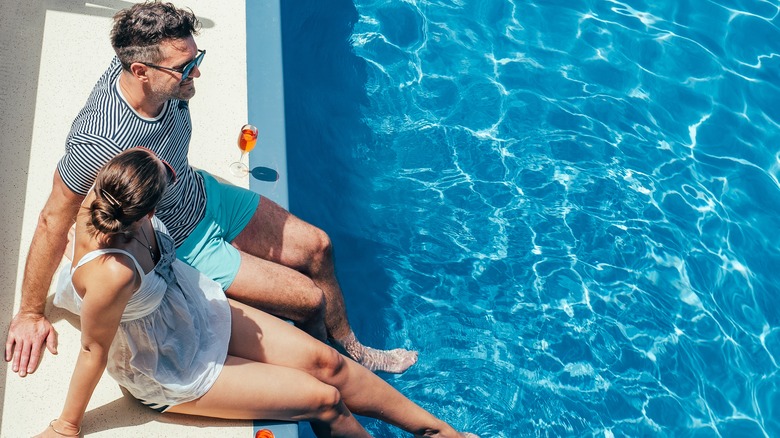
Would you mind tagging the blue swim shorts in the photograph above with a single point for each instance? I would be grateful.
(207, 249)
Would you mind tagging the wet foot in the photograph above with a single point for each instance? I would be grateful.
(460, 434)
(390, 361)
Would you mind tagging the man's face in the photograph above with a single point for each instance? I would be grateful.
(176, 54)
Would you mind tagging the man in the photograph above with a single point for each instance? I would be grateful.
(260, 253)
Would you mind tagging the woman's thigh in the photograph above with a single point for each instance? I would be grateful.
(261, 337)
(249, 390)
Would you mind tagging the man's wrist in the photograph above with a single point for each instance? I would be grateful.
(31, 313)
(33, 304)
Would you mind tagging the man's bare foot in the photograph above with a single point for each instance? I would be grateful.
(390, 361)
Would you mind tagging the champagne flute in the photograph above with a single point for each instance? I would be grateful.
(247, 140)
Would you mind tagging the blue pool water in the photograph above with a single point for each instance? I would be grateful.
(571, 209)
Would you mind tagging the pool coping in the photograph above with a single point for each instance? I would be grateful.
(265, 95)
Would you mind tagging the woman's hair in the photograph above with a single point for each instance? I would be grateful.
(139, 30)
(126, 189)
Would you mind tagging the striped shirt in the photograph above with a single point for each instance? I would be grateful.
(107, 125)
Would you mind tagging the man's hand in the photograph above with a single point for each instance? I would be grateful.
(26, 336)
(30, 329)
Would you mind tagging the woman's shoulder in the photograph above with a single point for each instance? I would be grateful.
(106, 269)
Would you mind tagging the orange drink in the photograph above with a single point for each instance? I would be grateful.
(247, 139)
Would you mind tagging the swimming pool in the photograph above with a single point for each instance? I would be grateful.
(566, 207)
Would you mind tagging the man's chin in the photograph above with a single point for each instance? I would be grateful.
(186, 94)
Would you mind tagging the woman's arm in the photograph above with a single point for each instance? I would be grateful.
(108, 283)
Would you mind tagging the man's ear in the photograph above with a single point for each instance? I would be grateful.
(139, 71)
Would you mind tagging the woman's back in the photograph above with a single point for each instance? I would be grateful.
(174, 333)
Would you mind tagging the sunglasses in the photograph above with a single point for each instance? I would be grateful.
(185, 71)
(170, 173)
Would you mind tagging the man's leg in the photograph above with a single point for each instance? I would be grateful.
(281, 291)
(275, 235)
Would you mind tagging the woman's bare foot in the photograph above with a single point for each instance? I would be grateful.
(447, 433)
(390, 361)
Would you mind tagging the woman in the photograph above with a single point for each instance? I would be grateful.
(171, 338)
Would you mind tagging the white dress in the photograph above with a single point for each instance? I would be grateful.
(173, 337)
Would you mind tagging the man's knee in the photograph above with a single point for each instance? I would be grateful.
(321, 250)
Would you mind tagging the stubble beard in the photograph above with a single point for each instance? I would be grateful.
(179, 92)
(187, 91)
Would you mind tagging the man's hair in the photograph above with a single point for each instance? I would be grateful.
(139, 30)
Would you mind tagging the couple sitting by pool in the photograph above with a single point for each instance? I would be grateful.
(169, 335)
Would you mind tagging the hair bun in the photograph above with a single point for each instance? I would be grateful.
(107, 216)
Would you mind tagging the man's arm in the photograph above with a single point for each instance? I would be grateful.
(30, 329)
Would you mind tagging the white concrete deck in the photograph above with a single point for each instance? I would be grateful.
(51, 54)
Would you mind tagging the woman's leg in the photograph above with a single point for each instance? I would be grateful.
(260, 337)
(251, 390)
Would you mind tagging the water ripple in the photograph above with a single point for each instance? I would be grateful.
(578, 201)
